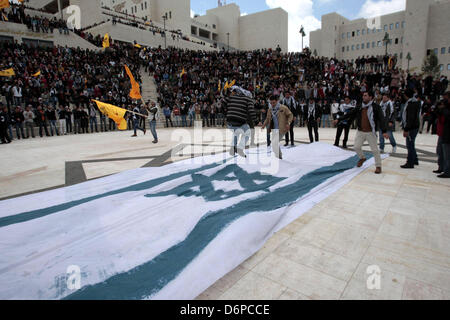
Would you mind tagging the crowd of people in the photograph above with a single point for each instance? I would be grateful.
(16, 14)
(318, 91)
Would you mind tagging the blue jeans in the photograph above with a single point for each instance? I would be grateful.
(191, 119)
(136, 126)
(153, 129)
(391, 138)
(19, 130)
(326, 121)
(93, 122)
(411, 146)
(10, 131)
(53, 125)
(183, 121)
(241, 135)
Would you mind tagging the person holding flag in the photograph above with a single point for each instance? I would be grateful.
(136, 119)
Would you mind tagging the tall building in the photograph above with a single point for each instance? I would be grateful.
(423, 27)
(224, 24)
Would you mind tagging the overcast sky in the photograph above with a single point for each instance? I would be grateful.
(308, 12)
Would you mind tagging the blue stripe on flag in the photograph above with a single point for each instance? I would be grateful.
(36, 214)
(149, 278)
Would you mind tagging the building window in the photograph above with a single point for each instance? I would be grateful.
(401, 55)
(397, 25)
(348, 48)
(343, 36)
(443, 51)
(368, 31)
(353, 47)
(343, 49)
(348, 35)
(435, 51)
(396, 40)
(403, 24)
(401, 40)
(142, 6)
(441, 67)
(374, 30)
(448, 49)
(368, 45)
(357, 33)
(353, 33)
(391, 26)
(357, 47)
(362, 46)
(363, 32)
(448, 67)
(385, 27)
(373, 44)
(379, 44)
(145, 5)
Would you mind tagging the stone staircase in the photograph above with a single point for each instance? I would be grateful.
(149, 92)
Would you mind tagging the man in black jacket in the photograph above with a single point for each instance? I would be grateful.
(4, 125)
(445, 112)
(312, 115)
(370, 120)
(290, 102)
(411, 125)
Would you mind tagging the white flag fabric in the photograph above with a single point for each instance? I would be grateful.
(159, 233)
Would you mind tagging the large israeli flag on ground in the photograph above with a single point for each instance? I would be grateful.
(159, 233)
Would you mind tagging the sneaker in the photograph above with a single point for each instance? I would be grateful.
(394, 150)
(361, 162)
(241, 153)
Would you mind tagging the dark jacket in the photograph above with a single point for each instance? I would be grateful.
(446, 132)
(379, 119)
(412, 116)
(318, 114)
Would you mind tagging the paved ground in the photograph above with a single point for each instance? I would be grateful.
(397, 223)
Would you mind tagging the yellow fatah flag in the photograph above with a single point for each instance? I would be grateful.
(115, 113)
(232, 83)
(137, 45)
(5, 17)
(135, 92)
(37, 74)
(4, 4)
(7, 73)
(226, 86)
(220, 85)
(106, 41)
(182, 73)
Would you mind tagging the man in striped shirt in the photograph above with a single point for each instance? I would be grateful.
(241, 115)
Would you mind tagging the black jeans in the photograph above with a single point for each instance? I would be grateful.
(291, 133)
(312, 125)
(411, 146)
(340, 129)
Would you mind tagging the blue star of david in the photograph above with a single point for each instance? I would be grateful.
(202, 186)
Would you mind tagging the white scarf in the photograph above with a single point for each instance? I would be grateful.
(369, 107)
